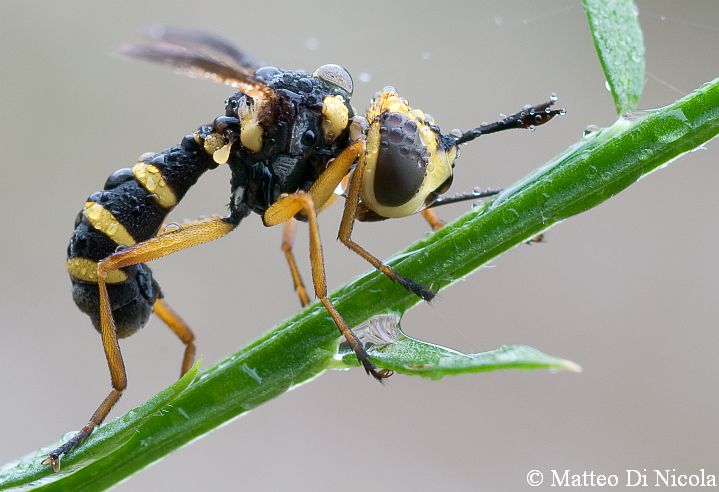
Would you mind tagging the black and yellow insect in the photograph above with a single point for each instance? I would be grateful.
(291, 141)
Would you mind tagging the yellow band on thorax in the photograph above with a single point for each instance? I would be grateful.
(86, 270)
(103, 220)
(151, 179)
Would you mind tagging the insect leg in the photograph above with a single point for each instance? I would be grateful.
(432, 219)
(345, 235)
(284, 209)
(118, 377)
(323, 196)
(152, 249)
(288, 241)
(179, 328)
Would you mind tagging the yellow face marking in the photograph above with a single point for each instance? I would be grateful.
(151, 179)
(85, 270)
(103, 220)
(439, 166)
(336, 117)
(251, 131)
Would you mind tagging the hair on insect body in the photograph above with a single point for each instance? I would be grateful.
(290, 140)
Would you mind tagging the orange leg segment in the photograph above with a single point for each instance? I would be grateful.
(285, 209)
(152, 249)
(179, 328)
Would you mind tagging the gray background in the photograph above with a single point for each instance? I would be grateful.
(626, 290)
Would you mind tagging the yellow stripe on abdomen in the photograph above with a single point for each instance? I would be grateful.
(103, 220)
(151, 179)
(86, 270)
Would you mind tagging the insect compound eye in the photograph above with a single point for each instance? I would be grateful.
(401, 161)
(335, 75)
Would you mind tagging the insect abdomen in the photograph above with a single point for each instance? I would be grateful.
(131, 208)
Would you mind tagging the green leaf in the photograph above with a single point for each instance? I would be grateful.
(29, 472)
(620, 46)
(390, 348)
(588, 173)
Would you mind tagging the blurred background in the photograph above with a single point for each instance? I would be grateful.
(627, 290)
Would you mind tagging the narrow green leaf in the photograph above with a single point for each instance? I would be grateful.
(620, 46)
(389, 347)
(590, 172)
(28, 472)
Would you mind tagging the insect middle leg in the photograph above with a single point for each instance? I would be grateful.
(179, 328)
(288, 241)
(285, 209)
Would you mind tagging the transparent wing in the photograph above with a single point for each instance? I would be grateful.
(204, 42)
(201, 55)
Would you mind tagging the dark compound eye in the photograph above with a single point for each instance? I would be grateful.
(401, 161)
(335, 75)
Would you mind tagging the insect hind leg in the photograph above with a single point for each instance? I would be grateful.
(179, 328)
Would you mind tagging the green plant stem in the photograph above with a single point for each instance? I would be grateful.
(588, 173)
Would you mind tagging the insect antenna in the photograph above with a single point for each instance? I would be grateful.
(529, 117)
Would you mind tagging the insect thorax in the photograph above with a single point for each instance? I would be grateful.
(296, 141)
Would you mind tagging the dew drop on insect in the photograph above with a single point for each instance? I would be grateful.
(171, 228)
(553, 97)
(531, 128)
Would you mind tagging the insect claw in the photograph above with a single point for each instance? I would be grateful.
(53, 460)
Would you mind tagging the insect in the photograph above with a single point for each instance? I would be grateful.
(291, 139)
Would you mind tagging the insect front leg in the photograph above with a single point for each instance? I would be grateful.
(345, 235)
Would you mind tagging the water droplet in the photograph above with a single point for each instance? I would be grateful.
(607, 86)
(531, 128)
(510, 217)
(590, 130)
(171, 228)
(312, 43)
